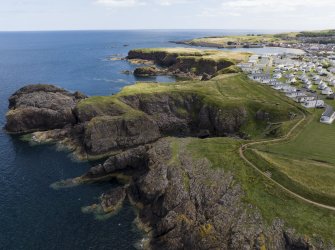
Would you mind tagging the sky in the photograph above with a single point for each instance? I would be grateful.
(24, 15)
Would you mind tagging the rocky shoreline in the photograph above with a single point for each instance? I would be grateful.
(183, 64)
(183, 201)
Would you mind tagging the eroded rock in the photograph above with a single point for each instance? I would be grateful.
(41, 107)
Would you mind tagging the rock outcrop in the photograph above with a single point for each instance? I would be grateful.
(184, 64)
(41, 107)
(147, 71)
(103, 127)
(107, 133)
(188, 205)
(188, 115)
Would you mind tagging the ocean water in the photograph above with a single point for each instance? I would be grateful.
(33, 215)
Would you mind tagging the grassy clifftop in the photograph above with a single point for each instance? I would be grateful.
(322, 36)
(194, 62)
(214, 55)
(224, 93)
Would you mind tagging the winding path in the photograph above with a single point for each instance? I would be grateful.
(245, 146)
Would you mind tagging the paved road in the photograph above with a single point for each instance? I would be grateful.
(245, 146)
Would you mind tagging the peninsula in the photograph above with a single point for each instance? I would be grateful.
(306, 40)
(187, 152)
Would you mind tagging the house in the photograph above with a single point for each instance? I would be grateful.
(260, 77)
(315, 77)
(273, 82)
(328, 116)
(302, 99)
(322, 86)
(266, 79)
(327, 91)
(295, 94)
(253, 59)
(305, 80)
(318, 82)
(288, 89)
(291, 80)
(314, 104)
(307, 86)
(278, 86)
(303, 76)
(331, 70)
(277, 76)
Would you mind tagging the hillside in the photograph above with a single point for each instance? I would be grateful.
(186, 62)
(259, 40)
(176, 146)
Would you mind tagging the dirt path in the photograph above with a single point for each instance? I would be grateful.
(245, 146)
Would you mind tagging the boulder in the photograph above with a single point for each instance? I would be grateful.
(146, 71)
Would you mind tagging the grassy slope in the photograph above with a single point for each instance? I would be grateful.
(290, 37)
(227, 91)
(316, 142)
(270, 200)
(305, 164)
(209, 55)
(241, 39)
(308, 178)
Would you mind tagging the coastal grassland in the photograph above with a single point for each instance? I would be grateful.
(224, 41)
(163, 54)
(305, 164)
(315, 142)
(238, 39)
(289, 37)
(272, 201)
(195, 52)
(225, 92)
(310, 179)
(177, 51)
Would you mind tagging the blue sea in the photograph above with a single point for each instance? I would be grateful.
(33, 215)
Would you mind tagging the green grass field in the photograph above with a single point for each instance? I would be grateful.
(273, 203)
(305, 164)
(315, 142)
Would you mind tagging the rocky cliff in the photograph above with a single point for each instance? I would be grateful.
(185, 62)
(186, 203)
(189, 205)
(41, 107)
(140, 119)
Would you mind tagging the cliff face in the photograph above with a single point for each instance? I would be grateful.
(159, 57)
(160, 115)
(105, 128)
(193, 63)
(191, 206)
(41, 107)
(187, 204)
(187, 114)
(107, 133)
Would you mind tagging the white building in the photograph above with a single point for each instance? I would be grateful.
(327, 91)
(314, 104)
(302, 99)
(328, 116)
(322, 86)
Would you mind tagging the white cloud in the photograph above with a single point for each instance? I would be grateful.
(268, 5)
(133, 3)
(120, 3)
(236, 8)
